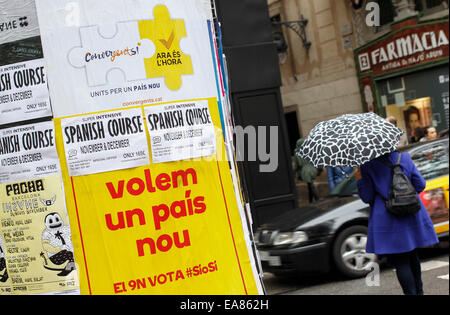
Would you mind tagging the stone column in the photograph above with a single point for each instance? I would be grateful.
(404, 9)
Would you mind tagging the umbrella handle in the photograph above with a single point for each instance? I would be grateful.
(343, 173)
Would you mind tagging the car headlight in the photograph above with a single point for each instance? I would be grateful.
(290, 238)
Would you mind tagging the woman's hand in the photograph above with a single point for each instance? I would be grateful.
(358, 174)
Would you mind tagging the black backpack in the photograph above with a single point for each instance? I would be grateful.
(403, 199)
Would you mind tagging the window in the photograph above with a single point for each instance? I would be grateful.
(430, 5)
(387, 12)
(432, 160)
(433, 3)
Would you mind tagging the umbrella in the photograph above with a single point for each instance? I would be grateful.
(349, 140)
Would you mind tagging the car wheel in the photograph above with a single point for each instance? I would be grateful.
(349, 252)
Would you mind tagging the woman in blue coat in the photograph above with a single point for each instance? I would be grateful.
(395, 237)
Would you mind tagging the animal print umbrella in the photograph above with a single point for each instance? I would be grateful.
(350, 140)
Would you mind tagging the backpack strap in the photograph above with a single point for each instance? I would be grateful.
(399, 158)
(391, 166)
(388, 163)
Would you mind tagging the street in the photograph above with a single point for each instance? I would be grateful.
(435, 276)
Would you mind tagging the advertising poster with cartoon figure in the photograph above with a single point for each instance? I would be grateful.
(37, 254)
(5, 282)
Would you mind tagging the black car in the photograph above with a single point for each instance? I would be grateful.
(333, 232)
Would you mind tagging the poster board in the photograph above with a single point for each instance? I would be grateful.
(36, 238)
(32, 259)
(23, 82)
(105, 142)
(18, 21)
(126, 55)
(166, 228)
(171, 226)
(36, 246)
(28, 151)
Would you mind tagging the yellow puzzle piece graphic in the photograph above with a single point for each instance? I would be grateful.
(169, 61)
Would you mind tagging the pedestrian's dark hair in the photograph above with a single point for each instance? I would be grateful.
(427, 128)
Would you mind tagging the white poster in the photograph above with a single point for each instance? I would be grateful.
(17, 21)
(105, 142)
(23, 92)
(180, 131)
(28, 151)
(132, 53)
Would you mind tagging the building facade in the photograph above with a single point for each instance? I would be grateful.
(321, 70)
(404, 72)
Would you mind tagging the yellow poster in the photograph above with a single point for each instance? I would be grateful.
(163, 228)
(5, 280)
(36, 254)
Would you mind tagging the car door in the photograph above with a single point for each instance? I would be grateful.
(432, 160)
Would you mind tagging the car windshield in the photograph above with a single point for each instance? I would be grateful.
(347, 187)
(432, 159)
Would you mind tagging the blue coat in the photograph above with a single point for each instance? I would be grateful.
(387, 233)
